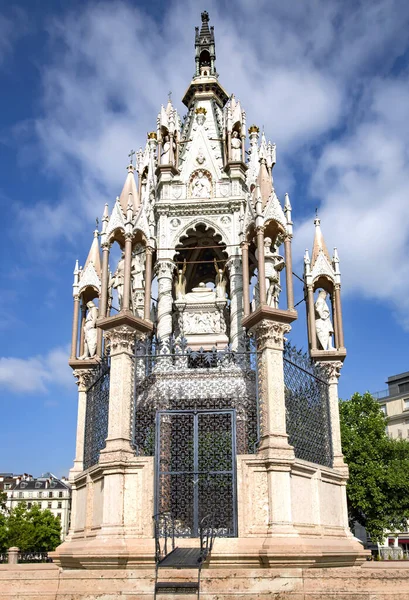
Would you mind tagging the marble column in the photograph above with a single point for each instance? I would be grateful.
(246, 277)
(236, 302)
(289, 273)
(121, 342)
(311, 317)
(82, 334)
(148, 283)
(74, 336)
(84, 378)
(126, 300)
(261, 265)
(338, 315)
(333, 369)
(103, 303)
(165, 270)
(274, 448)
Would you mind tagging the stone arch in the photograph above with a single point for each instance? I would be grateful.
(193, 223)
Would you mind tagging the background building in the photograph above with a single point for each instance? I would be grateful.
(47, 491)
(394, 402)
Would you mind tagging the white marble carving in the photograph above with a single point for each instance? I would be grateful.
(90, 331)
(323, 324)
(201, 186)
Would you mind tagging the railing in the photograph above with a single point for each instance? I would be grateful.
(380, 395)
(14, 556)
(34, 557)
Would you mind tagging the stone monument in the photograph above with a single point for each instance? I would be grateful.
(191, 401)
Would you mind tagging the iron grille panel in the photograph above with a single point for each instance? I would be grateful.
(307, 408)
(196, 470)
(173, 377)
(96, 416)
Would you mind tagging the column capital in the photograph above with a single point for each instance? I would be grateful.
(270, 334)
(121, 339)
(260, 229)
(234, 264)
(84, 378)
(165, 267)
(332, 368)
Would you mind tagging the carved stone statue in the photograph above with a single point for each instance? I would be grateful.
(118, 279)
(180, 285)
(90, 331)
(137, 268)
(166, 158)
(201, 186)
(323, 325)
(274, 263)
(220, 282)
(235, 147)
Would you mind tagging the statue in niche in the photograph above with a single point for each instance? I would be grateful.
(90, 331)
(220, 282)
(274, 263)
(235, 147)
(201, 186)
(137, 268)
(165, 158)
(180, 285)
(118, 279)
(323, 325)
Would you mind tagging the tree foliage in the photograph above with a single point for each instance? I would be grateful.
(29, 529)
(378, 486)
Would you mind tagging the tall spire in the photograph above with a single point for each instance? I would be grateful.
(205, 48)
(128, 190)
(94, 256)
(319, 243)
(205, 80)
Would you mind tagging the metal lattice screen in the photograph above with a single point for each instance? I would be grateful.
(172, 377)
(307, 408)
(96, 416)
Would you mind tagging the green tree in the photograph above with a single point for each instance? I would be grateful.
(378, 486)
(31, 529)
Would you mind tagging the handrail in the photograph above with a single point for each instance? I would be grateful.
(165, 529)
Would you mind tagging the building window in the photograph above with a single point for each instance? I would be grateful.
(59, 516)
(406, 404)
(59, 505)
(7, 486)
(383, 408)
(20, 494)
(49, 504)
(50, 494)
(60, 494)
(40, 494)
(403, 387)
(30, 494)
(28, 504)
(400, 433)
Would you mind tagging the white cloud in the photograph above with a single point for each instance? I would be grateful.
(363, 181)
(35, 374)
(304, 70)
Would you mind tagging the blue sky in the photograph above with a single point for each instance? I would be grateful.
(82, 83)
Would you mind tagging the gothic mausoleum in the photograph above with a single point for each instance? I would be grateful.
(192, 401)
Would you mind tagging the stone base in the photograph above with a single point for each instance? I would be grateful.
(106, 552)
(328, 355)
(125, 317)
(372, 581)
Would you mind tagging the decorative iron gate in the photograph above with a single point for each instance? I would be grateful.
(196, 469)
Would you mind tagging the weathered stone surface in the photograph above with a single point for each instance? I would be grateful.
(370, 582)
